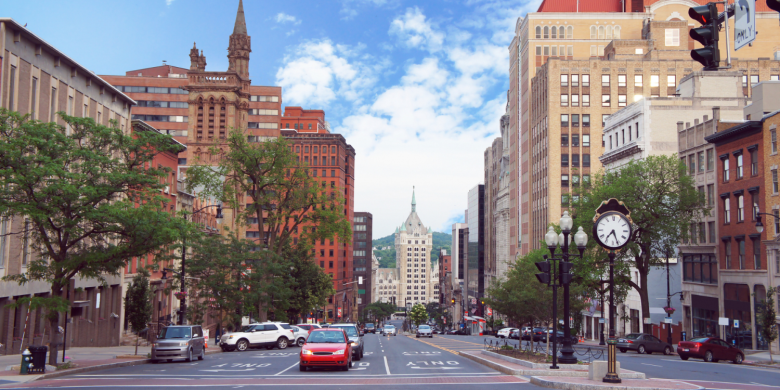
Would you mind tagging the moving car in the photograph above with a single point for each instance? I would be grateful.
(308, 327)
(643, 343)
(299, 335)
(369, 328)
(559, 335)
(355, 338)
(711, 349)
(535, 334)
(326, 348)
(515, 334)
(505, 333)
(424, 331)
(179, 342)
(389, 330)
(267, 334)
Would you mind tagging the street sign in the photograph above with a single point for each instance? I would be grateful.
(745, 23)
(473, 301)
(445, 320)
(723, 321)
(602, 320)
(489, 311)
(339, 313)
(736, 323)
(668, 320)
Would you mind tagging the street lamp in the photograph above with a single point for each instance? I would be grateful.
(183, 290)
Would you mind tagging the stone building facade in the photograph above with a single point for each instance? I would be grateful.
(413, 245)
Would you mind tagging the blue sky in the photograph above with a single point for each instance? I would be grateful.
(416, 87)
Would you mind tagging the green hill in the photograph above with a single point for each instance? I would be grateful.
(387, 256)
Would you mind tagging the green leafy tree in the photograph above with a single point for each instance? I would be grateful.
(88, 201)
(310, 286)
(418, 315)
(138, 304)
(380, 311)
(664, 203)
(436, 312)
(767, 318)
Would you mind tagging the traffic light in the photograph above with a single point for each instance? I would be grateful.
(566, 275)
(453, 300)
(544, 276)
(707, 35)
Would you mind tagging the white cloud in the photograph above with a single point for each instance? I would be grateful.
(415, 31)
(169, 2)
(283, 18)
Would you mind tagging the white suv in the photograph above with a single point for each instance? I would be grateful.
(267, 334)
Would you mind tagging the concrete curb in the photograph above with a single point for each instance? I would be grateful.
(537, 366)
(776, 367)
(580, 386)
(541, 372)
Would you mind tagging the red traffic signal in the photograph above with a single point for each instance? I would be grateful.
(702, 13)
(707, 35)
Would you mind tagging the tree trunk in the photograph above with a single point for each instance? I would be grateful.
(54, 337)
(646, 328)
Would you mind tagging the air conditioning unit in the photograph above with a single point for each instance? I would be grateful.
(167, 189)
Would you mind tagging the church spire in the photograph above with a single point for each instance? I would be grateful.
(240, 27)
(414, 203)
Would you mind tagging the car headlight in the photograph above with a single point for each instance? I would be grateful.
(354, 343)
(307, 352)
(183, 344)
(339, 352)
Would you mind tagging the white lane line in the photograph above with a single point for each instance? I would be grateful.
(654, 365)
(387, 367)
(286, 369)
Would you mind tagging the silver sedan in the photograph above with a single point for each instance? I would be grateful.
(424, 331)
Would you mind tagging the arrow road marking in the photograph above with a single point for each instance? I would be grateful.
(436, 368)
(248, 369)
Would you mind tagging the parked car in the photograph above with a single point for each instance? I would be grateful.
(711, 349)
(559, 335)
(389, 330)
(643, 343)
(369, 328)
(326, 348)
(515, 334)
(536, 334)
(267, 334)
(380, 330)
(505, 332)
(179, 342)
(308, 327)
(299, 335)
(424, 331)
(355, 338)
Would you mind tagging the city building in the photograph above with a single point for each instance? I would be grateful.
(497, 206)
(39, 80)
(771, 161)
(460, 236)
(444, 269)
(362, 230)
(556, 54)
(413, 245)
(474, 281)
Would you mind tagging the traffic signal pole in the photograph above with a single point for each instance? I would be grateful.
(726, 25)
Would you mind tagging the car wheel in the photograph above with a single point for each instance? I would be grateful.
(155, 361)
(242, 345)
(431, 336)
(684, 357)
(202, 353)
(301, 341)
(738, 359)
(623, 350)
(302, 367)
(708, 356)
(640, 350)
(418, 336)
(189, 355)
(282, 342)
(667, 350)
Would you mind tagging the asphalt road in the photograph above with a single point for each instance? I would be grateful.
(391, 362)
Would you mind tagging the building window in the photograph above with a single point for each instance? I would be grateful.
(610, 142)
(744, 81)
(604, 119)
(638, 81)
(564, 80)
(575, 100)
(776, 213)
(774, 181)
(754, 162)
(564, 180)
(621, 80)
(740, 208)
(564, 100)
(726, 210)
(564, 140)
(727, 251)
(702, 233)
(586, 100)
(671, 81)
(575, 140)
(726, 170)
(605, 80)
(692, 164)
(655, 80)
(621, 100)
(53, 109)
(586, 80)
(672, 37)
(564, 160)
(710, 195)
(739, 166)
(575, 80)
(753, 80)
(605, 100)
(34, 99)
(585, 120)
(701, 161)
(757, 253)
(741, 244)
(700, 268)
(710, 159)
(575, 121)
(586, 160)
(773, 133)
(564, 120)
(711, 227)
(585, 139)
(575, 160)
(754, 204)
(538, 32)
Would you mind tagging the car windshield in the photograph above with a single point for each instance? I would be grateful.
(633, 336)
(700, 340)
(425, 327)
(349, 329)
(391, 327)
(175, 333)
(369, 325)
(326, 337)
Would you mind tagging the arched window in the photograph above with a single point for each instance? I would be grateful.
(593, 32)
(616, 34)
(570, 32)
(560, 32)
(546, 32)
(609, 32)
(554, 33)
(538, 32)
(601, 32)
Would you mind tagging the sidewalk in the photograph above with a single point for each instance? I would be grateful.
(83, 359)
(761, 358)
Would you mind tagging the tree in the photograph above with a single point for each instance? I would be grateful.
(310, 286)
(88, 200)
(418, 315)
(664, 204)
(436, 312)
(380, 310)
(767, 319)
(138, 304)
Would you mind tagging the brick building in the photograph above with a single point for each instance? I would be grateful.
(38, 79)
(362, 236)
(579, 35)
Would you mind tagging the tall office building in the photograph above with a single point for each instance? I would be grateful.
(413, 245)
(362, 230)
(474, 281)
(606, 54)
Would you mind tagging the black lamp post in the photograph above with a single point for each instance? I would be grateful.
(564, 272)
(183, 290)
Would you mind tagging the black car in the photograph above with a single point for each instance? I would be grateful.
(537, 334)
(369, 328)
(559, 335)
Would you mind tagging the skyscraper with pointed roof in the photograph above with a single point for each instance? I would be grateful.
(413, 245)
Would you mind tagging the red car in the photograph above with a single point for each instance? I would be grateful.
(326, 348)
(711, 349)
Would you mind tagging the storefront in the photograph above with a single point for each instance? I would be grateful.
(736, 304)
(704, 318)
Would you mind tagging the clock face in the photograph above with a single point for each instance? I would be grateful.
(613, 230)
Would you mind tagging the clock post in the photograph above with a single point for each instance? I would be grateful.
(612, 230)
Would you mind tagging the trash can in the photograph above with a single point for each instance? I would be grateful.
(38, 365)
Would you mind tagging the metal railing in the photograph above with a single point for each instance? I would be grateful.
(524, 349)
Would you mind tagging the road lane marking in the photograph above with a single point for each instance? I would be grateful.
(436, 368)
(387, 367)
(654, 365)
(287, 369)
